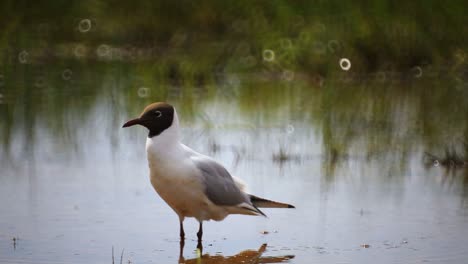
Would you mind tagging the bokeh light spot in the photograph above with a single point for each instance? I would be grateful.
(143, 92)
(417, 72)
(79, 51)
(345, 64)
(268, 55)
(286, 43)
(67, 74)
(103, 50)
(23, 57)
(84, 25)
(288, 75)
(40, 82)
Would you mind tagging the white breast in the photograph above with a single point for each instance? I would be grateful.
(178, 182)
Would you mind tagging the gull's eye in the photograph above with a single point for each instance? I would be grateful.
(158, 113)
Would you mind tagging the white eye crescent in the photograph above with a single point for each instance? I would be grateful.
(158, 113)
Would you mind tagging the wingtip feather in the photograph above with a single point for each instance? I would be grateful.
(265, 203)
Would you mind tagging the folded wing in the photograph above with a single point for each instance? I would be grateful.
(219, 185)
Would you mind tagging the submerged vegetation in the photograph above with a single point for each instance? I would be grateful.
(450, 160)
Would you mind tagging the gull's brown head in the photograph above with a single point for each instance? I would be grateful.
(157, 117)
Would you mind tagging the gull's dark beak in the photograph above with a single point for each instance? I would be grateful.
(136, 121)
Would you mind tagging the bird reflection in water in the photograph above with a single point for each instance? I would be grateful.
(246, 256)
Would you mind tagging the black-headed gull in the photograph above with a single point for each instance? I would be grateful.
(192, 184)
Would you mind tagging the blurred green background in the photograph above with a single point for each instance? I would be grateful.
(405, 91)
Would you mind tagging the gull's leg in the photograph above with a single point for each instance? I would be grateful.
(200, 247)
(200, 232)
(182, 233)
(181, 252)
(199, 235)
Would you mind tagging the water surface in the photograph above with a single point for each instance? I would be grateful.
(71, 194)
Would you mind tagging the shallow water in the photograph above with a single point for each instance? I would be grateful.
(74, 194)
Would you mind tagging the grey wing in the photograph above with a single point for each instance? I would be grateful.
(219, 185)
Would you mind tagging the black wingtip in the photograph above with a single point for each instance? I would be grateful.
(291, 206)
(260, 211)
(263, 214)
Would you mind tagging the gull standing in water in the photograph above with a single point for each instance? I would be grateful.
(192, 184)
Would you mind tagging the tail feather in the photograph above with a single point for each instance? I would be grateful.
(265, 203)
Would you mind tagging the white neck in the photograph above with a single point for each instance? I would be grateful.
(166, 143)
